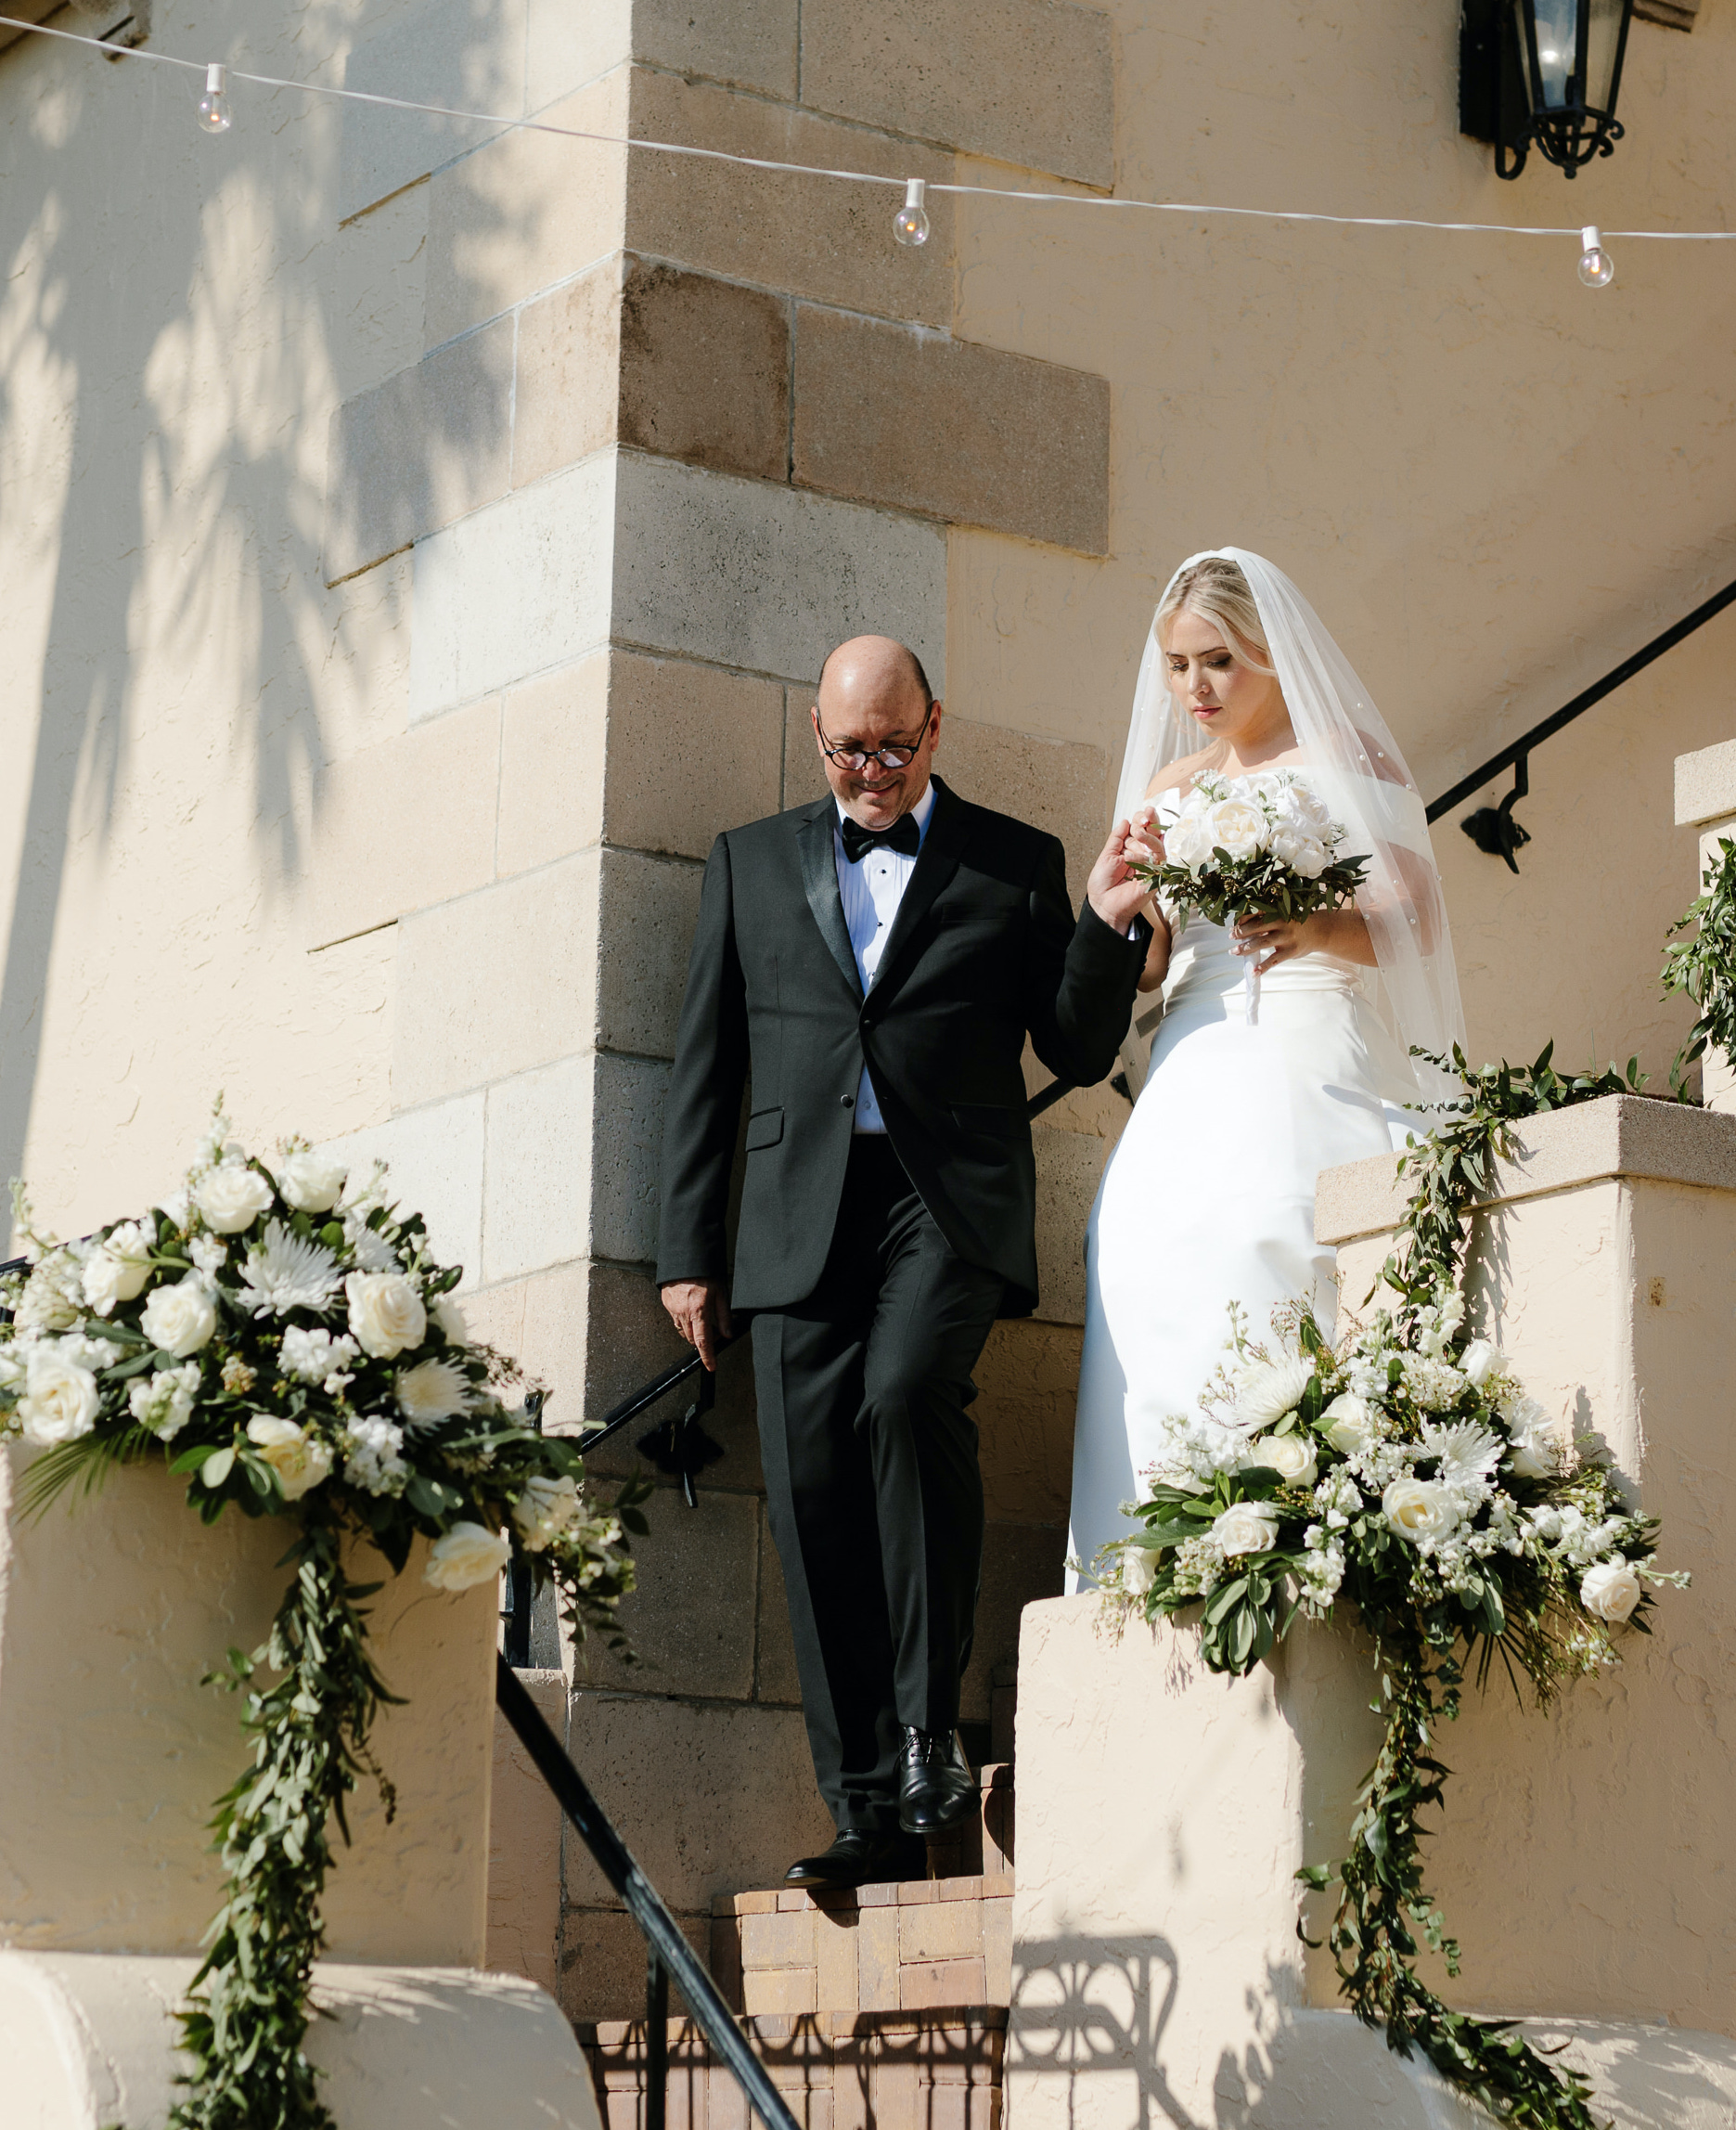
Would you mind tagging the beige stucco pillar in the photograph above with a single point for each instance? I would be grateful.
(1705, 799)
(112, 1750)
(1586, 1856)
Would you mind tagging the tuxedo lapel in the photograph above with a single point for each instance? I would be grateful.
(935, 867)
(819, 878)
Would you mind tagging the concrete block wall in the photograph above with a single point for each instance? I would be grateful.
(672, 429)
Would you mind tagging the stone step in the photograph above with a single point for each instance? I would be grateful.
(937, 2068)
(915, 1946)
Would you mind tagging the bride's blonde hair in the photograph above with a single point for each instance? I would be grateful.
(1215, 589)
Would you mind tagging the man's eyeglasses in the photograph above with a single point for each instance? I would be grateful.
(895, 755)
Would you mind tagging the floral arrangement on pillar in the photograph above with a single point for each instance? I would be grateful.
(286, 1341)
(1405, 1474)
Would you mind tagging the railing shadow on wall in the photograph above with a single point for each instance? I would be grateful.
(1086, 2008)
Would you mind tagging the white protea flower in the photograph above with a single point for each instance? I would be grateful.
(431, 1391)
(1268, 1390)
(284, 1273)
(1468, 1451)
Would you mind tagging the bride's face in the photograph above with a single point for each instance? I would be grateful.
(1230, 701)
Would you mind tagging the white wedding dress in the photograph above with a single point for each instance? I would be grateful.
(1253, 1087)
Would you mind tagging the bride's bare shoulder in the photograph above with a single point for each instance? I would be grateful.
(1177, 776)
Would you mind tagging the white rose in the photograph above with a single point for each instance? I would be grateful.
(1139, 1569)
(311, 1182)
(433, 1391)
(544, 1509)
(300, 1462)
(1291, 1456)
(1236, 828)
(60, 1399)
(232, 1197)
(386, 1312)
(450, 1318)
(1268, 1391)
(1246, 1526)
(1479, 1360)
(1352, 1424)
(180, 1318)
(117, 1270)
(1300, 853)
(468, 1554)
(1418, 1509)
(1610, 1591)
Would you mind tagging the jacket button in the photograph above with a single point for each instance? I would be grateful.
(846, 1101)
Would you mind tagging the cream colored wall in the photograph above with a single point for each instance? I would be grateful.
(1493, 483)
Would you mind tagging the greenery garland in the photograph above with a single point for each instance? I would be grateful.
(1407, 1471)
(285, 1339)
(1705, 967)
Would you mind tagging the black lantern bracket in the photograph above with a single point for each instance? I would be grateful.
(1542, 74)
(1494, 830)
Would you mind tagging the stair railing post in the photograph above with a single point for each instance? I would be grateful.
(656, 2040)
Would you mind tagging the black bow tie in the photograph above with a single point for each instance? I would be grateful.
(903, 834)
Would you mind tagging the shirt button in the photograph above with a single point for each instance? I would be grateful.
(846, 1101)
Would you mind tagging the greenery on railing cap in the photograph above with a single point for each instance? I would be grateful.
(286, 1342)
(1705, 967)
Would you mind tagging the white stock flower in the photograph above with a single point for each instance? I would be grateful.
(315, 1355)
(1236, 828)
(1246, 1526)
(386, 1312)
(231, 1197)
(1302, 854)
(1610, 1591)
(1269, 1390)
(468, 1554)
(208, 1254)
(283, 1272)
(118, 1269)
(1291, 1456)
(433, 1391)
(59, 1400)
(310, 1182)
(1351, 1424)
(546, 1509)
(449, 1316)
(179, 1319)
(372, 1444)
(1420, 1510)
(300, 1462)
(164, 1402)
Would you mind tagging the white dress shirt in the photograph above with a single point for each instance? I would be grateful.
(871, 891)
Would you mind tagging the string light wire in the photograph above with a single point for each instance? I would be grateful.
(863, 177)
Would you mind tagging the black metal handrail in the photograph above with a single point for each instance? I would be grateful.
(1493, 829)
(668, 1955)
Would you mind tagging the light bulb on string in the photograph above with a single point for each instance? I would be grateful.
(1596, 269)
(911, 224)
(215, 114)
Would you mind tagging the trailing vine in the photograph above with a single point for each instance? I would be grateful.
(1705, 967)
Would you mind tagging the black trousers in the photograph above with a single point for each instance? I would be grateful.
(873, 1487)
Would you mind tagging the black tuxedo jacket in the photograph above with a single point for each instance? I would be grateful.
(984, 948)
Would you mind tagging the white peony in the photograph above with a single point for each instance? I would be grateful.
(1302, 854)
(1291, 1456)
(1236, 828)
(1246, 1526)
(1298, 808)
(60, 1399)
(1610, 1591)
(1188, 843)
(546, 1509)
(1420, 1510)
(300, 1462)
(311, 1182)
(386, 1312)
(1269, 1390)
(232, 1197)
(468, 1554)
(179, 1319)
(433, 1391)
(117, 1270)
(1350, 1424)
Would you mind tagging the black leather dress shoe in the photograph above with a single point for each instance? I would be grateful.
(936, 1788)
(860, 1858)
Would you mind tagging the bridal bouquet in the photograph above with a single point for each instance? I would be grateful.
(1256, 845)
(284, 1338)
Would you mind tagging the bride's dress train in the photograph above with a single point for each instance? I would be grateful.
(1209, 1197)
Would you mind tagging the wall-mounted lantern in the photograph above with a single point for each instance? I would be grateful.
(1542, 74)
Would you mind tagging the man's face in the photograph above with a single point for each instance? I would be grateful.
(861, 713)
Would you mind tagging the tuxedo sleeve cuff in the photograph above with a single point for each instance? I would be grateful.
(1104, 939)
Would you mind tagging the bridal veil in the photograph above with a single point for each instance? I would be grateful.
(1351, 758)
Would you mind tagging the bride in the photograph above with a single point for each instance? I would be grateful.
(1283, 1049)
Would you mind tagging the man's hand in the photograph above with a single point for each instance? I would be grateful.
(701, 1313)
(1115, 894)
